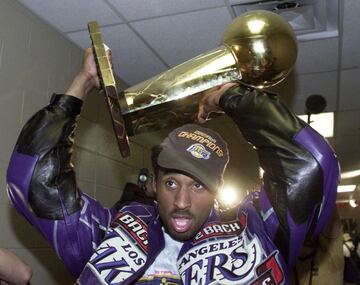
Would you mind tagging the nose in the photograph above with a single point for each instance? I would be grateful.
(182, 199)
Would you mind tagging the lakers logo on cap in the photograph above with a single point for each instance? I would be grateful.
(204, 139)
(198, 150)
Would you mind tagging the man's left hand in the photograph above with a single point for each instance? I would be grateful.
(209, 101)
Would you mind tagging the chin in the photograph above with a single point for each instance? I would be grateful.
(181, 236)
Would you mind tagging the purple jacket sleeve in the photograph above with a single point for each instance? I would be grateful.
(42, 185)
(301, 171)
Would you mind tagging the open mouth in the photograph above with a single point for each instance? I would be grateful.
(181, 224)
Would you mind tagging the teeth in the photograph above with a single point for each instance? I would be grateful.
(181, 222)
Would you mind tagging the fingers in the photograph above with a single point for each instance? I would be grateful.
(202, 115)
(90, 67)
(201, 119)
(209, 101)
(206, 105)
(97, 83)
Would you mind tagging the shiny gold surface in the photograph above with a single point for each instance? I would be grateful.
(207, 70)
(259, 49)
(102, 60)
(264, 45)
(108, 85)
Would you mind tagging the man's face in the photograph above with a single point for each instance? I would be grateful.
(184, 204)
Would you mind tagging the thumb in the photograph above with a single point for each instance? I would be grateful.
(202, 115)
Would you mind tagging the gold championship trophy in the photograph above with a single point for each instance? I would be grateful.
(258, 49)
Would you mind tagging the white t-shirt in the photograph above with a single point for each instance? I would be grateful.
(164, 267)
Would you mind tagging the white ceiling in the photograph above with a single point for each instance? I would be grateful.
(150, 36)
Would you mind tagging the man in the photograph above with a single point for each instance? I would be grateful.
(181, 238)
(351, 260)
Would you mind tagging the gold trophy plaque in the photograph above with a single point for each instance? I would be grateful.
(108, 84)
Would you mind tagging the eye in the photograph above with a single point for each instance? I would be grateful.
(198, 187)
(170, 183)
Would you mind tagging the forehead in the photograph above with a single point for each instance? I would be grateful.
(177, 174)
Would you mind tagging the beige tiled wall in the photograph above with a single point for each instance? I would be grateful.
(35, 61)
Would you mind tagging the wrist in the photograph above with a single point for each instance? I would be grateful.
(80, 86)
(222, 93)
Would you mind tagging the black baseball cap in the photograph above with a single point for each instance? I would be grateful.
(198, 151)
